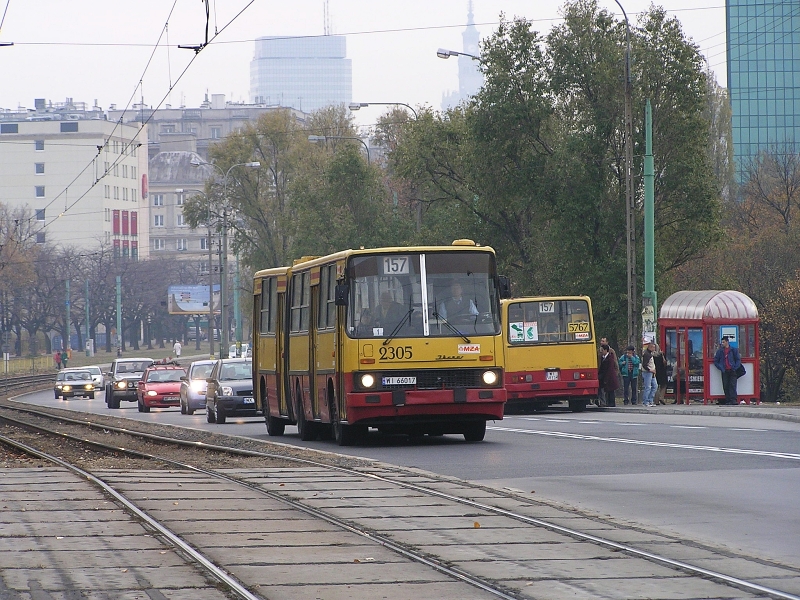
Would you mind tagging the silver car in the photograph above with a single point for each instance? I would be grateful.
(193, 386)
(98, 379)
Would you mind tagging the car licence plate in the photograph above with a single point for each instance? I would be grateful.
(552, 375)
(249, 401)
(171, 399)
(399, 380)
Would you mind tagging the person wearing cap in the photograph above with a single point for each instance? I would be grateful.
(727, 360)
(648, 374)
(629, 367)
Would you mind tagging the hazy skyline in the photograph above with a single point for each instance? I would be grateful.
(106, 51)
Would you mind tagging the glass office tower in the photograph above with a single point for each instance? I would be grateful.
(763, 42)
(305, 73)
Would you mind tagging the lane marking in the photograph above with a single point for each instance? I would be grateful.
(576, 436)
(687, 427)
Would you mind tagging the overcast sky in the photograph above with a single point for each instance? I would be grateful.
(100, 49)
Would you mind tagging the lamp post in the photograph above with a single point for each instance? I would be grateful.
(445, 54)
(210, 279)
(360, 105)
(630, 224)
(223, 337)
(324, 138)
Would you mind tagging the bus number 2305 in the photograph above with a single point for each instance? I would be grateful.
(395, 352)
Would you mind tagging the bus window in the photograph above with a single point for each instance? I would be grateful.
(549, 321)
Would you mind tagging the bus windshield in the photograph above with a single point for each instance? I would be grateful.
(413, 294)
(546, 321)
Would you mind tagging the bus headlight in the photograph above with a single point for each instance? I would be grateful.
(367, 380)
(489, 377)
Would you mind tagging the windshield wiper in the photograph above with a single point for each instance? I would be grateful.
(452, 328)
(407, 317)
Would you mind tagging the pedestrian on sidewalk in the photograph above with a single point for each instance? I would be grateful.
(177, 349)
(661, 374)
(607, 376)
(727, 360)
(629, 367)
(648, 375)
(57, 359)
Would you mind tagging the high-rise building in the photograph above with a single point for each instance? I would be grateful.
(763, 43)
(305, 73)
(470, 78)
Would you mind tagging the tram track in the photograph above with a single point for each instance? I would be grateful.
(313, 492)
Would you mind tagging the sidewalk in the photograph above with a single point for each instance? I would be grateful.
(778, 412)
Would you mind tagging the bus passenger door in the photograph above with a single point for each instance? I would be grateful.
(313, 341)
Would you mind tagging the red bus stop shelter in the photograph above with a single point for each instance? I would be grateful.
(691, 325)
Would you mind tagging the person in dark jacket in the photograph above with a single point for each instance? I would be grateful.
(660, 362)
(607, 375)
(727, 360)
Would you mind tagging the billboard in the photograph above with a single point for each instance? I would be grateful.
(191, 300)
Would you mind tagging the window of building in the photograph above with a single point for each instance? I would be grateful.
(159, 244)
(38, 145)
(158, 220)
(204, 243)
(168, 129)
(124, 193)
(124, 170)
(40, 214)
(116, 192)
(107, 215)
(40, 191)
(40, 237)
(9, 128)
(182, 244)
(203, 267)
(133, 172)
(38, 168)
(106, 191)
(69, 127)
(179, 198)
(181, 222)
(134, 194)
(158, 199)
(215, 133)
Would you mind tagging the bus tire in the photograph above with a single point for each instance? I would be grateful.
(475, 431)
(348, 435)
(275, 426)
(577, 405)
(307, 430)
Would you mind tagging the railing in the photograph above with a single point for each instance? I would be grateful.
(27, 364)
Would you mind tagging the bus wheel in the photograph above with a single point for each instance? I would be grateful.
(348, 435)
(475, 432)
(275, 426)
(306, 430)
(577, 405)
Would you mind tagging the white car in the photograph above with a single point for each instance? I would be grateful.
(232, 353)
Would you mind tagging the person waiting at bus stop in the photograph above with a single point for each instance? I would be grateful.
(629, 367)
(727, 360)
(456, 305)
(607, 376)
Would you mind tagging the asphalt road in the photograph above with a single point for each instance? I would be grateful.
(728, 481)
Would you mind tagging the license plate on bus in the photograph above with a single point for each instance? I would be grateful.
(249, 401)
(399, 380)
(552, 375)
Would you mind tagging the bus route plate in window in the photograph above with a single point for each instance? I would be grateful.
(399, 380)
(396, 265)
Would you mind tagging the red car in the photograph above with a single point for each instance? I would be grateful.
(160, 387)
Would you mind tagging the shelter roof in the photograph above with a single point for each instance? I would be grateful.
(712, 305)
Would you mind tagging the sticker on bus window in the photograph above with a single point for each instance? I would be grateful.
(532, 331)
(395, 265)
(582, 335)
(578, 327)
(516, 332)
(377, 331)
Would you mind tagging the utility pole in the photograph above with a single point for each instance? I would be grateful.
(66, 329)
(119, 315)
(86, 339)
(649, 297)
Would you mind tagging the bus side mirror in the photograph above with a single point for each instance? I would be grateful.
(342, 293)
(505, 287)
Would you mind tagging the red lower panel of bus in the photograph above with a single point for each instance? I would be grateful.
(564, 384)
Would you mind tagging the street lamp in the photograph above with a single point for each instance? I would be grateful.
(359, 105)
(210, 278)
(324, 138)
(629, 203)
(445, 54)
(223, 337)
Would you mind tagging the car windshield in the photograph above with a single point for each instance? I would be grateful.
(202, 371)
(133, 367)
(94, 370)
(434, 294)
(77, 376)
(236, 371)
(167, 375)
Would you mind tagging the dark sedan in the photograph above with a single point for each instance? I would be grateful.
(230, 390)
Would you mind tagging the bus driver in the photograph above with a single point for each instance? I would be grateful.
(456, 305)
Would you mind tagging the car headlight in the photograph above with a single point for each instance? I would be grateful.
(367, 380)
(489, 377)
(121, 385)
(66, 388)
(227, 390)
(198, 385)
(152, 393)
(89, 387)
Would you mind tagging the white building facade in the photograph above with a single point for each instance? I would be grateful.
(82, 181)
(306, 73)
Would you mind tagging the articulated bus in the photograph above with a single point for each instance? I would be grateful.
(405, 340)
(550, 353)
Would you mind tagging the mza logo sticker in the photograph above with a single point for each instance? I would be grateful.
(469, 348)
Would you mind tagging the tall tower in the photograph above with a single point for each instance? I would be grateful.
(470, 78)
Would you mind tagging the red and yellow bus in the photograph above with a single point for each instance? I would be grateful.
(550, 353)
(377, 338)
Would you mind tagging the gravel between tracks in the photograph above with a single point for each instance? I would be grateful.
(96, 460)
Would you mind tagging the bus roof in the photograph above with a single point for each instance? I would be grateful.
(457, 246)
